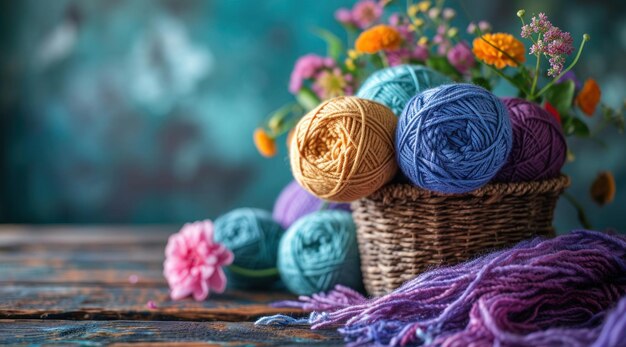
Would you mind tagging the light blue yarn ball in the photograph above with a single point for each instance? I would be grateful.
(253, 237)
(453, 138)
(319, 251)
(395, 86)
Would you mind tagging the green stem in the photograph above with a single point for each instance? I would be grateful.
(253, 273)
(509, 79)
(383, 58)
(536, 77)
(547, 86)
(582, 217)
(533, 87)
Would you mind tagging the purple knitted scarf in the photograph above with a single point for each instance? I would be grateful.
(558, 292)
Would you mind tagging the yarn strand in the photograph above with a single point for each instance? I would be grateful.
(566, 291)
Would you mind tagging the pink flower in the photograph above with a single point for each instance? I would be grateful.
(461, 57)
(405, 55)
(555, 44)
(365, 13)
(193, 262)
(420, 52)
(306, 67)
(484, 27)
(344, 16)
(331, 83)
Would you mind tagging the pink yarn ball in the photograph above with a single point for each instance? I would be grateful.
(294, 202)
(539, 147)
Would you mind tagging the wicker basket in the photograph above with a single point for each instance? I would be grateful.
(403, 230)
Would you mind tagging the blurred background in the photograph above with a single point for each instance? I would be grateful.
(142, 111)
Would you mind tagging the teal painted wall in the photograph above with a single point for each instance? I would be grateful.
(142, 111)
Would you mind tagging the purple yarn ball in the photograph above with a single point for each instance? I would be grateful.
(539, 147)
(295, 202)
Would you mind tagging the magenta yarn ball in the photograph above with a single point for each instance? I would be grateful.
(295, 202)
(539, 147)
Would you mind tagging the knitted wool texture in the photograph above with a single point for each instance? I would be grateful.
(253, 236)
(565, 291)
(453, 138)
(343, 150)
(318, 252)
(395, 86)
(539, 148)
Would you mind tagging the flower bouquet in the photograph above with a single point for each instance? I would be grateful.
(476, 172)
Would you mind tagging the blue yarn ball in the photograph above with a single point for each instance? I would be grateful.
(453, 138)
(253, 237)
(319, 251)
(395, 86)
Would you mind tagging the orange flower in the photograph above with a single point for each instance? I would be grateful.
(603, 188)
(264, 143)
(589, 97)
(496, 57)
(377, 38)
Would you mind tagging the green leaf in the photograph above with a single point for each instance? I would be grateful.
(442, 65)
(377, 61)
(575, 126)
(483, 82)
(307, 99)
(561, 96)
(334, 46)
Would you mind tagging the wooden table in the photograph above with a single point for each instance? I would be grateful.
(78, 286)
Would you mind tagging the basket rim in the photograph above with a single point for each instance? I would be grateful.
(493, 189)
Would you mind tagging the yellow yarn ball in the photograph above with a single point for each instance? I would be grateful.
(343, 150)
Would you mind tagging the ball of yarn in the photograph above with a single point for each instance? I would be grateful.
(294, 202)
(453, 138)
(318, 252)
(253, 237)
(539, 147)
(395, 86)
(343, 150)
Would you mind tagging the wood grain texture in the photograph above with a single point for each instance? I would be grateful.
(106, 303)
(72, 286)
(120, 333)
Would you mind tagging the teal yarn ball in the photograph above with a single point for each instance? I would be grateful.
(320, 251)
(395, 86)
(453, 138)
(253, 237)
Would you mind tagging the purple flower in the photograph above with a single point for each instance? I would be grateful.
(570, 76)
(420, 52)
(461, 57)
(307, 67)
(405, 55)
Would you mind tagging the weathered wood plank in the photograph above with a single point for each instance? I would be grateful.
(45, 255)
(99, 303)
(28, 332)
(96, 256)
(81, 276)
(16, 236)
